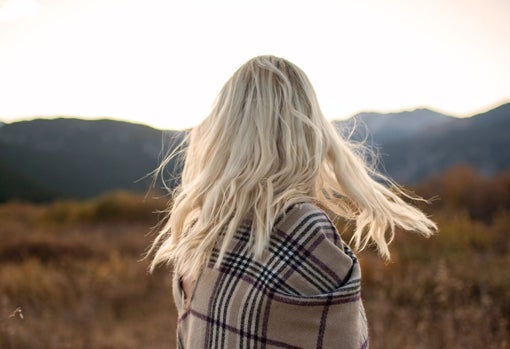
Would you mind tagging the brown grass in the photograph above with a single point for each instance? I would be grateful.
(71, 277)
(450, 291)
(80, 283)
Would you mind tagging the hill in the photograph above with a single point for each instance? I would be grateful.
(45, 159)
(412, 149)
(380, 128)
(81, 158)
(16, 186)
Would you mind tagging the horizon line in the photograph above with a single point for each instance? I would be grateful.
(139, 122)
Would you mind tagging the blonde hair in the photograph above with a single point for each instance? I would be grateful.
(264, 147)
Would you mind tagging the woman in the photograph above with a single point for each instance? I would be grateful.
(257, 260)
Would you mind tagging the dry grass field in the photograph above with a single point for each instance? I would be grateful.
(71, 275)
(74, 270)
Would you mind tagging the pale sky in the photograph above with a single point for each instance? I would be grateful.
(162, 62)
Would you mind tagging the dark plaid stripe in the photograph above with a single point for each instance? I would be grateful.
(316, 302)
(253, 271)
(322, 327)
(224, 289)
(241, 333)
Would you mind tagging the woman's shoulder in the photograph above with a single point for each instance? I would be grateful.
(307, 218)
(318, 260)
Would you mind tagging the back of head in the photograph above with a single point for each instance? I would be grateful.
(265, 128)
(264, 147)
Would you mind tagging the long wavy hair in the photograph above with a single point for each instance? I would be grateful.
(264, 147)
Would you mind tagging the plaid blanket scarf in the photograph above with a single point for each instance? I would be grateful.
(303, 293)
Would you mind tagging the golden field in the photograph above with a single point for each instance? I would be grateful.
(71, 274)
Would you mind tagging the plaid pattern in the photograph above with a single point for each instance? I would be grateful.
(303, 293)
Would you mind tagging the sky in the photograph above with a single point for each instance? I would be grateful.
(162, 62)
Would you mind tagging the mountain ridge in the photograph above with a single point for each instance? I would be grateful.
(391, 126)
(479, 141)
(82, 158)
(72, 157)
